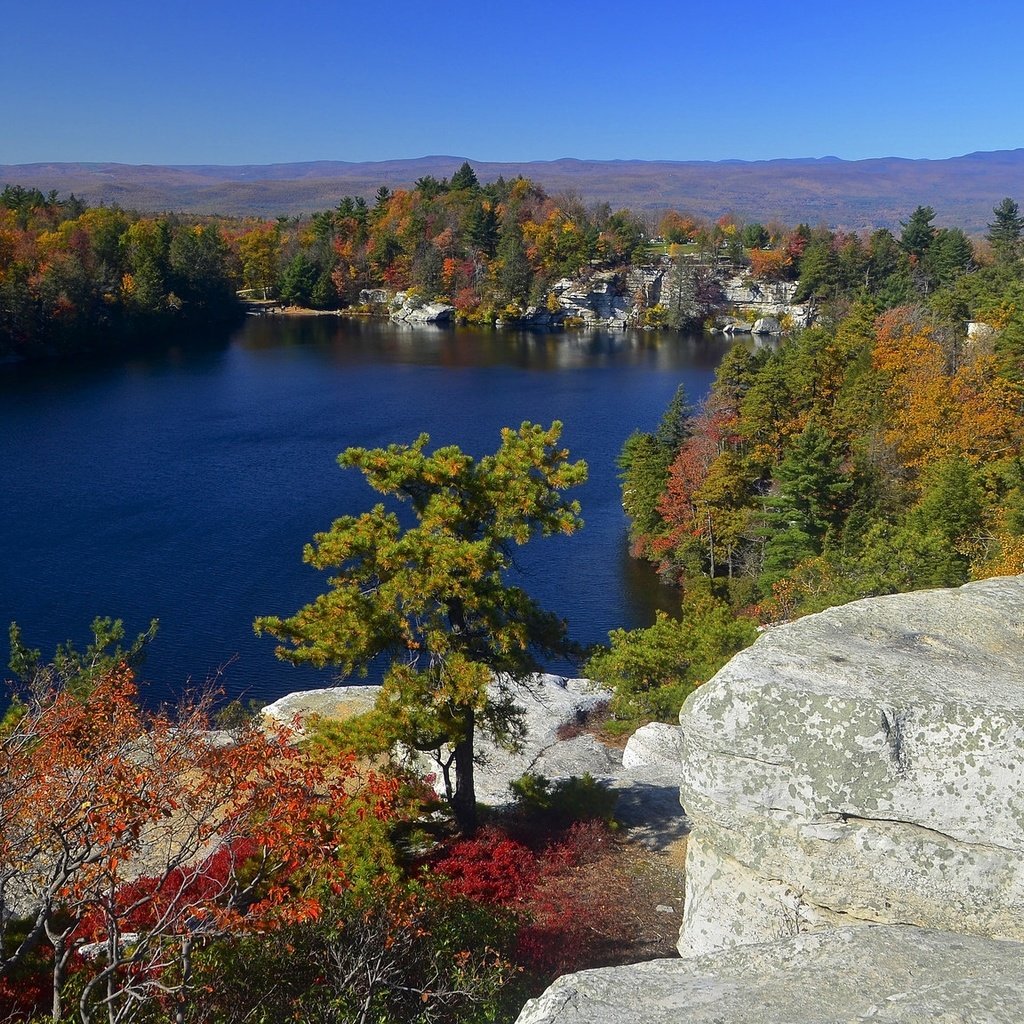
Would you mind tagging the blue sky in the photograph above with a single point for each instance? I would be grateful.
(220, 81)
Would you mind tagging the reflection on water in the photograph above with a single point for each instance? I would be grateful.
(184, 483)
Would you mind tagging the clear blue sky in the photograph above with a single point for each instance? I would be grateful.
(220, 81)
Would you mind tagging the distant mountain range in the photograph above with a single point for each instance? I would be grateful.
(852, 194)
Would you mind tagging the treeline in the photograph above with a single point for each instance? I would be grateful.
(878, 452)
(75, 278)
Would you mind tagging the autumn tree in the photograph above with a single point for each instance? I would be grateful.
(260, 251)
(434, 598)
(128, 837)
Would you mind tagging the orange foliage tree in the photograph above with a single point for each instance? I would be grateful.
(128, 836)
(937, 412)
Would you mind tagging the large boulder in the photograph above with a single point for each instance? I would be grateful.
(549, 704)
(766, 325)
(427, 313)
(862, 765)
(655, 746)
(888, 975)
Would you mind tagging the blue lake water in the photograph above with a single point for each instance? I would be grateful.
(183, 484)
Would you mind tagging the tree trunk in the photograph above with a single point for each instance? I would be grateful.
(464, 800)
(59, 962)
(181, 1004)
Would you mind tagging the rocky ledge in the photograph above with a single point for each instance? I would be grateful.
(853, 782)
(885, 974)
(645, 776)
(862, 765)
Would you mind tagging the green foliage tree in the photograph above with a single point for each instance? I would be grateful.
(199, 268)
(918, 232)
(676, 423)
(74, 671)
(812, 483)
(465, 178)
(819, 271)
(147, 252)
(652, 671)
(483, 229)
(643, 467)
(514, 269)
(951, 256)
(298, 280)
(755, 236)
(433, 598)
(1005, 231)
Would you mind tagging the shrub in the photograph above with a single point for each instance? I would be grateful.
(579, 798)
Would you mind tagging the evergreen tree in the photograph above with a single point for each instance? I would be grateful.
(514, 274)
(951, 256)
(643, 469)
(819, 271)
(465, 178)
(1005, 231)
(812, 484)
(298, 280)
(918, 233)
(482, 228)
(433, 598)
(676, 422)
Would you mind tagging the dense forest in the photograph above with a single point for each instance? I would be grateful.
(876, 452)
(77, 278)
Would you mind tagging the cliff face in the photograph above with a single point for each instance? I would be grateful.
(862, 765)
(617, 300)
(854, 784)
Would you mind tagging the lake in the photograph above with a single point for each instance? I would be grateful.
(182, 484)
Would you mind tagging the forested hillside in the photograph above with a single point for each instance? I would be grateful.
(879, 451)
(78, 278)
(851, 194)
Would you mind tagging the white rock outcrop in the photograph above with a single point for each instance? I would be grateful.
(410, 309)
(886, 975)
(862, 765)
(656, 746)
(332, 702)
(549, 703)
(766, 325)
(767, 299)
(597, 300)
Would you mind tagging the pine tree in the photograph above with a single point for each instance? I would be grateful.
(1004, 233)
(465, 178)
(433, 598)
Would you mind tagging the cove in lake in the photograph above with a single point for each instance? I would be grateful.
(182, 484)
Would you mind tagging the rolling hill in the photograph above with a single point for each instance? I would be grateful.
(848, 194)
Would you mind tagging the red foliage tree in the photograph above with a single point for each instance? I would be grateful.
(133, 835)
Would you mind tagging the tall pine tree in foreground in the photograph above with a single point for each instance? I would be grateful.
(434, 599)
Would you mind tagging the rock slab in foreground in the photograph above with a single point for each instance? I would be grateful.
(862, 765)
(883, 974)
